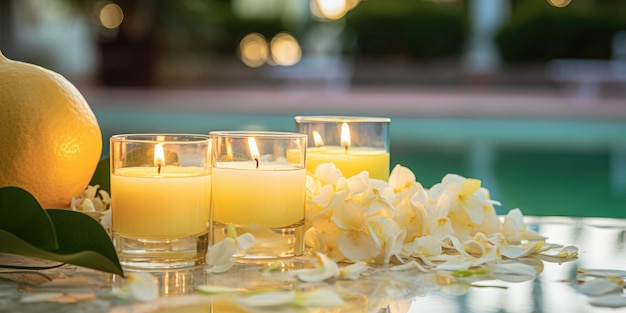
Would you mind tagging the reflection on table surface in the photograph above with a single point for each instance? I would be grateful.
(601, 244)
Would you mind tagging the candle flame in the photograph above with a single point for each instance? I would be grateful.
(317, 139)
(345, 136)
(254, 150)
(159, 156)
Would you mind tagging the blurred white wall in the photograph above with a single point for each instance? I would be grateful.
(54, 35)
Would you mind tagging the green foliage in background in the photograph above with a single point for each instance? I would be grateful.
(101, 176)
(414, 29)
(540, 32)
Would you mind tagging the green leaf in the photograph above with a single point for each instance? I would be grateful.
(21, 214)
(80, 239)
(80, 233)
(102, 176)
(90, 259)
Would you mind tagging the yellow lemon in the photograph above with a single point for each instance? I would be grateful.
(50, 141)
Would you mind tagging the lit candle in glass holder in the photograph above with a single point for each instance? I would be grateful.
(353, 144)
(160, 199)
(259, 187)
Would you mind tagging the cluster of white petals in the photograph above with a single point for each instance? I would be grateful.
(451, 226)
(92, 200)
(95, 202)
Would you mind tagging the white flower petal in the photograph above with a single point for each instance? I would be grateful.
(426, 247)
(216, 290)
(410, 266)
(347, 215)
(86, 206)
(358, 246)
(320, 298)
(401, 178)
(454, 263)
(515, 269)
(610, 301)
(601, 272)
(456, 244)
(140, 286)
(474, 209)
(221, 267)
(353, 271)
(328, 173)
(267, 299)
(325, 268)
(220, 255)
(518, 251)
(450, 179)
(245, 241)
(564, 252)
(600, 286)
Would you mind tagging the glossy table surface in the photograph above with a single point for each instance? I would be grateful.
(601, 244)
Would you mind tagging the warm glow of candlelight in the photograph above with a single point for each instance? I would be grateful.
(345, 136)
(159, 156)
(254, 150)
(317, 139)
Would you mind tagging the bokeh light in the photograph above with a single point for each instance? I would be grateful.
(285, 49)
(331, 9)
(253, 50)
(559, 3)
(111, 16)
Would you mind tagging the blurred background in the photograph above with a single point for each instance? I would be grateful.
(527, 95)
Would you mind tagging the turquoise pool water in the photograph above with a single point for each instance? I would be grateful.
(544, 167)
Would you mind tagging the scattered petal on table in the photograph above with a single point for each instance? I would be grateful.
(140, 286)
(515, 268)
(601, 272)
(265, 299)
(320, 298)
(353, 271)
(216, 290)
(324, 269)
(610, 301)
(601, 286)
(410, 266)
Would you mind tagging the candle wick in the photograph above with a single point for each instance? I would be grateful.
(346, 147)
(159, 169)
(257, 162)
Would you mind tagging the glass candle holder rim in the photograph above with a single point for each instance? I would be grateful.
(340, 119)
(154, 138)
(259, 134)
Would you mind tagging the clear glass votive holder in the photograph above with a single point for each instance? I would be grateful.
(259, 187)
(353, 144)
(160, 199)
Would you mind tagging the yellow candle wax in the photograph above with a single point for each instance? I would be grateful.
(351, 161)
(269, 195)
(172, 204)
